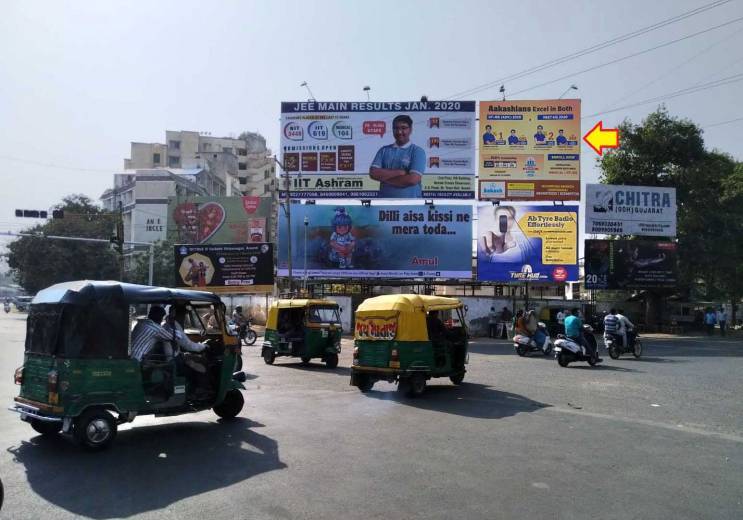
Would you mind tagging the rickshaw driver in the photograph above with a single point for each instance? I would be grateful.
(148, 332)
(439, 336)
(174, 326)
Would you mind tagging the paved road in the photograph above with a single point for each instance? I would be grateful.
(661, 437)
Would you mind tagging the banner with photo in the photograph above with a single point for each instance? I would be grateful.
(630, 264)
(219, 220)
(382, 150)
(377, 241)
(527, 243)
(225, 268)
(529, 150)
(630, 210)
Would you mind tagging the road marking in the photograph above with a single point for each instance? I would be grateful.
(646, 422)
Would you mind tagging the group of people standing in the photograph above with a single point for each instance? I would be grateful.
(498, 323)
(712, 318)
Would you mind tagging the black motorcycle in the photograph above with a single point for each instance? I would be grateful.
(615, 346)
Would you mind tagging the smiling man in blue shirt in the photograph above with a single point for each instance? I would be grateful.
(399, 167)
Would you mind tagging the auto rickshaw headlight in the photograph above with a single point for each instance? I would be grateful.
(18, 377)
(355, 355)
(52, 380)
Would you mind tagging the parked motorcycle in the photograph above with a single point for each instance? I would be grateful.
(525, 344)
(615, 346)
(568, 351)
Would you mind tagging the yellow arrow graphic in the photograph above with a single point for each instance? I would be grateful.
(599, 138)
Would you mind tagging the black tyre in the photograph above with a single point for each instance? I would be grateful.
(614, 352)
(521, 350)
(562, 360)
(364, 383)
(231, 406)
(46, 427)
(95, 430)
(268, 356)
(250, 337)
(457, 378)
(593, 360)
(306, 360)
(547, 351)
(417, 385)
(238, 363)
(638, 349)
(2, 492)
(331, 360)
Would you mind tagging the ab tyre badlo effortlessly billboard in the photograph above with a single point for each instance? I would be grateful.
(527, 243)
(383, 150)
(346, 241)
(630, 264)
(225, 268)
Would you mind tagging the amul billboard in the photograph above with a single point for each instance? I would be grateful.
(385, 150)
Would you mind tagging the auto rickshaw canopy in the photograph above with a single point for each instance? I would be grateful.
(90, 319)
(399, 316)
(273, 311)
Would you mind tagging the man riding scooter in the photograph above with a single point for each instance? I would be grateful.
(574, 331)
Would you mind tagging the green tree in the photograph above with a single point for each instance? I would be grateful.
(667, 151)
(163, 272)
(40, 262)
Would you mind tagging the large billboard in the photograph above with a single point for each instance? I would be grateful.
(630, 264)
(527, 243)
(219, 220)
(377, 241)
(529, 150)
(225, 268)
(630, 210)
(383, 150)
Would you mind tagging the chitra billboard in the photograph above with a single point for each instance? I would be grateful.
(378, 241)
(527, 243)
(630, 210)
(219, 220)
(529, 150)
(225, 268)
(385, 150)
(630, 264)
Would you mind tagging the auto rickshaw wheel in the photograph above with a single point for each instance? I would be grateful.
(46, 427)
(231, 405)
(331, 360)
(238, 363)
(457, 378)
(417, 385)
(364, 383)
(95, 429)
(269, 356)
(306, 360)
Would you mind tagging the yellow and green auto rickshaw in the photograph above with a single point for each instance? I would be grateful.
(79, 375)
(409, 338)
(303, 328)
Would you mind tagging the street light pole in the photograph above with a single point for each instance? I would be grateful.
(306, 225)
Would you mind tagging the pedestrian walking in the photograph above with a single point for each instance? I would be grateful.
(710, 318)
(722, 319)
(492, 322)
(505, 318)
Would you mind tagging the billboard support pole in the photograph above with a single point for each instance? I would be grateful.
(288, 212)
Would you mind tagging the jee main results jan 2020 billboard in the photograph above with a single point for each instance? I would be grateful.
(225, 268)
(378, 241)
(630, 210)
(219, 220)
(529, 150)
(333, 145)
(630, 264)
(527, 243)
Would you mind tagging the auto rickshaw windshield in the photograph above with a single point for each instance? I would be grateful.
(324, 315)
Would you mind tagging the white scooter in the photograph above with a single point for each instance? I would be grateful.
(525, 344)
(568, 351)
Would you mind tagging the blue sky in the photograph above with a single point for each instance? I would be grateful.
(80, 80)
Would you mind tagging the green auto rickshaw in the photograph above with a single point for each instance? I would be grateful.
(79, 376)
(409, 338)
(303, 328)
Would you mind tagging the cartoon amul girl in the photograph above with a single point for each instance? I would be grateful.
(342, 241)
